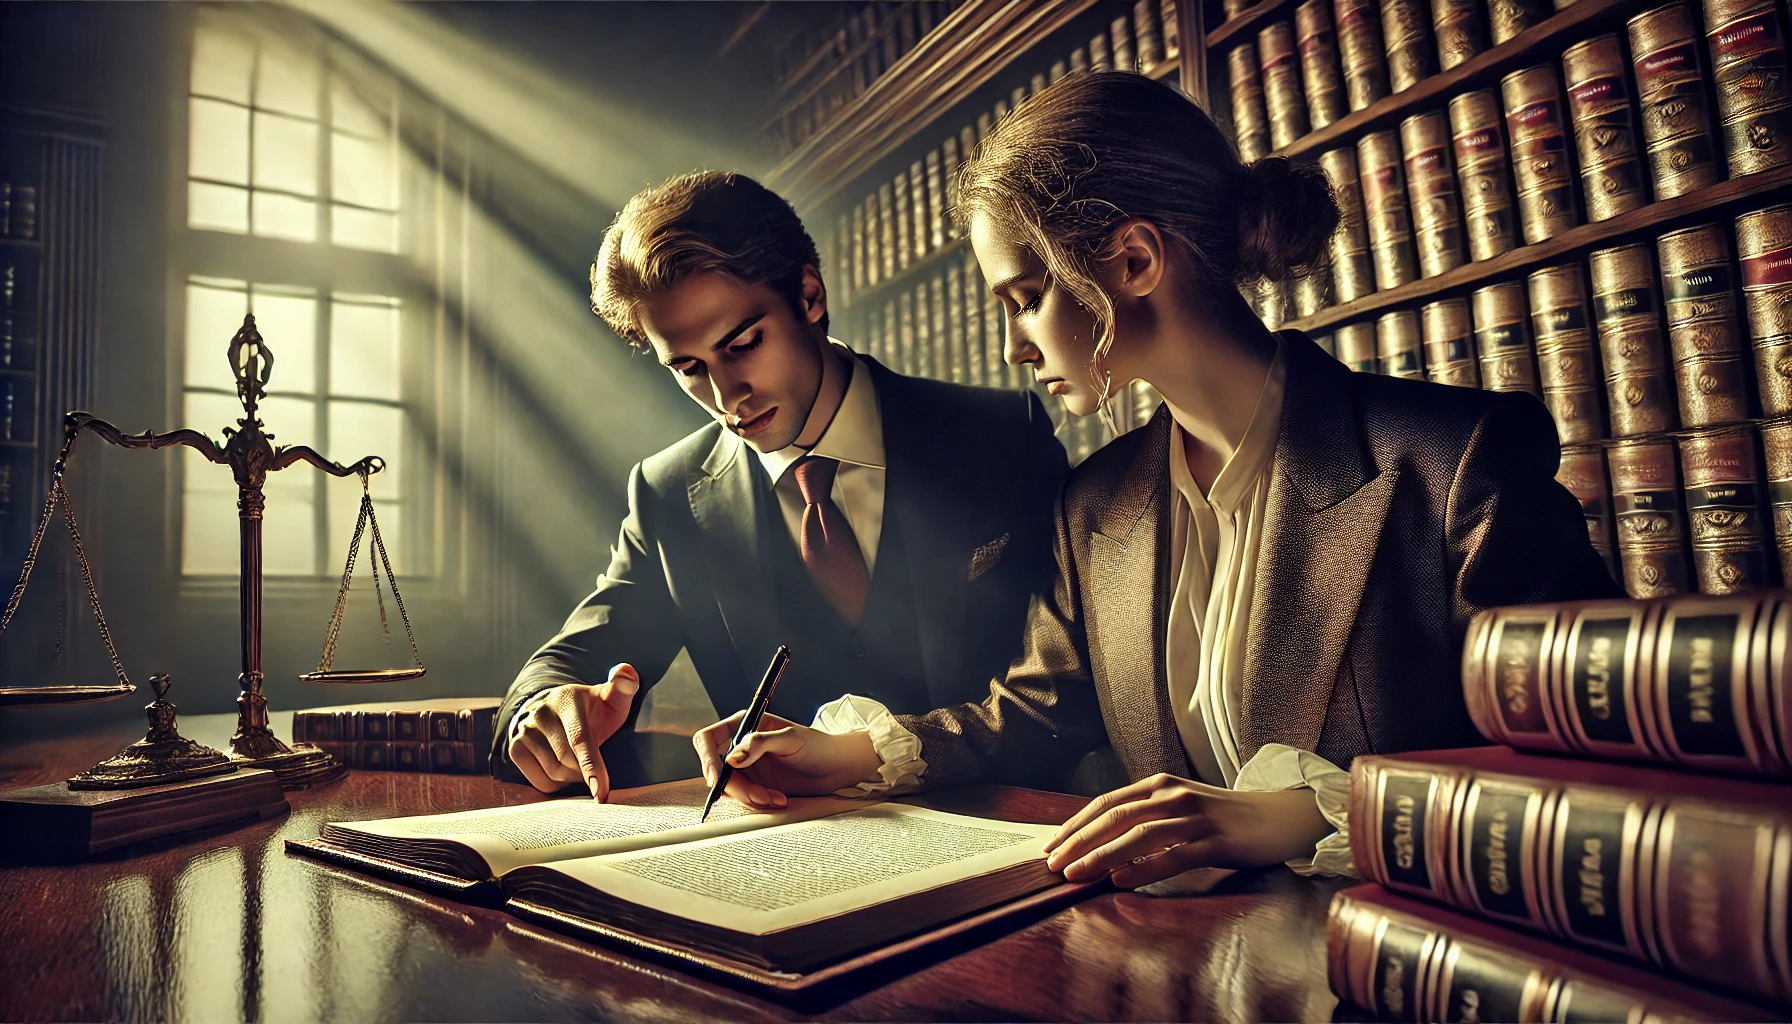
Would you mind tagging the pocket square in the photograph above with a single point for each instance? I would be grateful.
(987, 555)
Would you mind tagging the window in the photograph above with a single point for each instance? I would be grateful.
(290, 141)
(334, 386)
(304, 209)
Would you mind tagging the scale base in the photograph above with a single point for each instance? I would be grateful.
(297, 767)
(62, 824)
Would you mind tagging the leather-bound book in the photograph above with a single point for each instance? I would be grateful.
(1250, 118)
(1651, 527)
(1403, 960)
(1674, 99)
(1694, 680)
(1668, 868)
(1611, 169)
(903, 213)
(448, 734)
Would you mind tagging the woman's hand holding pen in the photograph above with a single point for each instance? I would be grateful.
(784, 759)
(557, 745)
(1162, 826)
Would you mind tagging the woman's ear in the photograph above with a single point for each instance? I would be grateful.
(1140, 257)
(815, 294)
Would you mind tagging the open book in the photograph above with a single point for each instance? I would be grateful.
(783, 892)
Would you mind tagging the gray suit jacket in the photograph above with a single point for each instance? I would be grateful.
(965, 467)
(1397, 510)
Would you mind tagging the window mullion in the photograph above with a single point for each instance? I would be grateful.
(321, 519)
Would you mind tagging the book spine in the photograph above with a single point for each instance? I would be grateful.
(936, 200)
(957, 343)
(1651, 528)
(1611, 170)
(1359, 47)
(887, 230)
(1704, 328)
(1166, 10)
(1148, 34)
(1399, 826)
(1283, 97)
(1385, 209)
(1684, 883)
(1353, 275)
(1483, 173)
(892, 337)
(1776, 444)
(1764, 251)
(1431, 180)
(1101, 54)
(1397, 345)
(1406, 962)
(1355, 344)
(1313, 291)
(856, 250)
(1126, 54)
(936, 325)
(1723, 506)
(1449, 340)
(1582, 472)
(924, 345)
(1503, 337)
(1538, 136)
(1406, 32)
(921, 229)
(1627, 312)
(1672, 97)
(1250, 118)
(874, 246)
(907, 351)
(1754, 98)
(1322, 78)
(900, 208)
(1567, 360)
(1507, 663)
(976, 358)
(1460, 33)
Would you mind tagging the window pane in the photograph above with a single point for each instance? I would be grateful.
(286, 80)
(362, 171)
(360, 429)
(222, 64)
(213, 316)
(285, 154)
(278, 216)
(217, 141)
(360, 106)
(364, 351)
(364, 229)
(288, 325)
(217, 207)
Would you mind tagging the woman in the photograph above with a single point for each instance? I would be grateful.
(1271, 577)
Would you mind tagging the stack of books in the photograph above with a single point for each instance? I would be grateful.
(1663, 891)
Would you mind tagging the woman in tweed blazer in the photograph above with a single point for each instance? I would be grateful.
(1112, 219)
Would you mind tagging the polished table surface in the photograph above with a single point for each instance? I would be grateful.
(224, 925)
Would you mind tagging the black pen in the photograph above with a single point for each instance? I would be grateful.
(762, 697)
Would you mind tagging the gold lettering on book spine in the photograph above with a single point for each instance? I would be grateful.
(1403, 841)
(1497, 878)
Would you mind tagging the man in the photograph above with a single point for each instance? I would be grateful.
(890, 530)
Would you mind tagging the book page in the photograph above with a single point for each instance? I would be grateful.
(510, 837)
(793, 874)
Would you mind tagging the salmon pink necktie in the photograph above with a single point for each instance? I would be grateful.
(830, 548)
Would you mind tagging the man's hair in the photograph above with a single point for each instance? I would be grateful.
(693, 224)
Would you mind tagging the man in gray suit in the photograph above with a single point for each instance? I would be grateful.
(890, 530)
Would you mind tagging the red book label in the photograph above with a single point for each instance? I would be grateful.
(1595, 90)
(1746, 38)
(1656, 70)
(1473, 143)
(1769, 268)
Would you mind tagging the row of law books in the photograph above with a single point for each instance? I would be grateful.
(825, 67)
(447, 735)
(904, 220)
(1660, 888)
(1633, 116)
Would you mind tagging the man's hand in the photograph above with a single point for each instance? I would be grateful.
(784, 759)
(1162, 826)
(558, 742)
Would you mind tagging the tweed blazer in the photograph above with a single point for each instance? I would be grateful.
(1397, 509)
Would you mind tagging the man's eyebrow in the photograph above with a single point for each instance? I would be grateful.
(732, 334)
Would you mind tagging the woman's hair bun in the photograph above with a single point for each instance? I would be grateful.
(1285, 219)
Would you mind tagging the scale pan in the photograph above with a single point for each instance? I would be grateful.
(26, 696)
(363, 675)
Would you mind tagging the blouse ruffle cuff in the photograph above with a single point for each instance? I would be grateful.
(1278, 766)
(897, 748)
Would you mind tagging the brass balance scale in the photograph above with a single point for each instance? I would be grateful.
(164, 756)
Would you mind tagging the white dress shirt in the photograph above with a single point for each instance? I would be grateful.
(855, 438)
(1216, 538)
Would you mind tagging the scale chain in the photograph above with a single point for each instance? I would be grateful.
(377, 554)
(392, 580)
(60, 493)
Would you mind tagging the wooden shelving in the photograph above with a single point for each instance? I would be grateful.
(973, 44)
(1249, 19)
(1726, 198)
(1531, 46)
(916, 269)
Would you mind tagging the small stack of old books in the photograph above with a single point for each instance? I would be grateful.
(1665, 891)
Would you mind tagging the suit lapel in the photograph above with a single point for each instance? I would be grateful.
(1322, 525)
(1129, 581)
(731, 518)
(928, 498)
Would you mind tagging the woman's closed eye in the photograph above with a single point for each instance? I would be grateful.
(1027, 307)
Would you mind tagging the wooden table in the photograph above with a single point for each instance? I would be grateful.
(223, 925)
